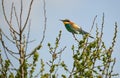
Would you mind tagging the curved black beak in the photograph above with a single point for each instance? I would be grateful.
(61, 20)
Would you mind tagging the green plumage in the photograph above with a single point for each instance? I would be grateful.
(70, 29)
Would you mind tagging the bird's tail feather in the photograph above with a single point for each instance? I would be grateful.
(84, 32)
(91, 37)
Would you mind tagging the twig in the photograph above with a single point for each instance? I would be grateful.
(93, 23)
(5, 49)
(115, 35)
(11, 13)
(14, 36)
(7, 37)
(71, 73)
(28, 34)
(111, 49)
(75, 38)
(114, 61)
(45, 21)
(28, 15)
(102, 28)
(44, 30)
(60, 53)
(16, 16)
(21, 10)
(6, 19)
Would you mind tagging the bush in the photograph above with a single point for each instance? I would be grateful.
(86, 54)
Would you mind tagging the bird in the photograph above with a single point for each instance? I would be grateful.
(74, 28)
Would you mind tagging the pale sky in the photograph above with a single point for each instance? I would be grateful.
(81, 12)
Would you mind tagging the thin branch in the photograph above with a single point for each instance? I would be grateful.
(28, 34)
(21, 11)
(28, 15)
(71, 73)
(5, 49)
(62, 50)
(13, 35)
(6, 19)
(75, 38)
(30, 41)
(11, 13)
(44, 30)
(111, 50)
(7, 37)
(5, 13)
(11, 52)
(16, 16)
(4, 46)
(115, 35)
(45, 21)
(102, 27)
(57, 42)
(114, 61)
(93, 23)
(60, 54)
(101, 33)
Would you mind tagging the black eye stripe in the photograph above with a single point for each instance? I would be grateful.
(66, 20)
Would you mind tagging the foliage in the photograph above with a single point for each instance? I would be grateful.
(86, 54)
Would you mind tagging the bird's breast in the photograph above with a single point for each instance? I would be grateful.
(75, 26)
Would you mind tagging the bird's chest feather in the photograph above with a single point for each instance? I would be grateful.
(70, 29)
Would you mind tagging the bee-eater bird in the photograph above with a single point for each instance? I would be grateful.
(74, 28)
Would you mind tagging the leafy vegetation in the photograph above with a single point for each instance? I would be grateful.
(86, 54)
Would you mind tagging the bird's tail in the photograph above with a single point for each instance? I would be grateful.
(84, 32)
(91, 37)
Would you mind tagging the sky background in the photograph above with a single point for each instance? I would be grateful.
(82, 12)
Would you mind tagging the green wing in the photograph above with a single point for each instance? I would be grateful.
(70, 29)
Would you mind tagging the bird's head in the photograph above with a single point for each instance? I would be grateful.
(65, 21)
